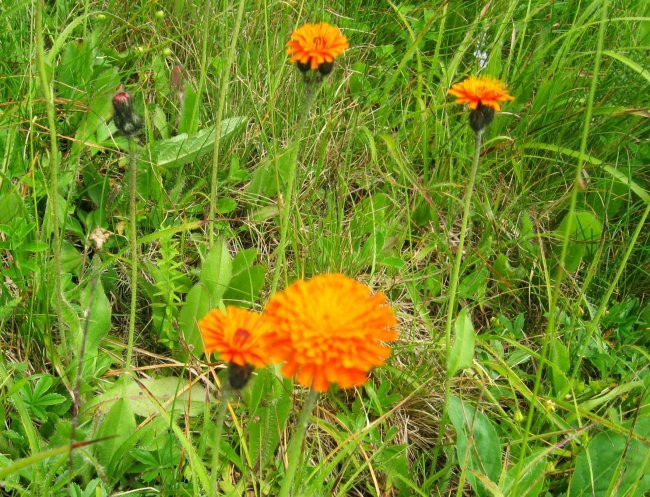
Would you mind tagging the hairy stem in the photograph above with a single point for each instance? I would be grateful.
(133, 247)
(453, 286)
(295, 445)
(48, 93)
(220, 421)
(311, 90)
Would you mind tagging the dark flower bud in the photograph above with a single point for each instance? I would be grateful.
(480, 117)
(303, 67)
(325, 68)
(238, 376)
(125, 119)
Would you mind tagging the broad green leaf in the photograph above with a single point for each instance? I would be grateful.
(226, 205)
(182, 149)
(477, 444)
(197, 305)
(635, 187)
(264, 181)
(245, 287)
(99, 318)
(561, 363)
(612, 464)
(188, 121)
(583, 238)
(172, 392)
(216, 271)
(118, 424)
(462, 351)
(530, 477)
(11, 206)
(473, 285)
(268, 420)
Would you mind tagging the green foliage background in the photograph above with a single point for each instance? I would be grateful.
(382, 169)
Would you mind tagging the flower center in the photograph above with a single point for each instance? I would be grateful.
(319, 42)
(241, 335)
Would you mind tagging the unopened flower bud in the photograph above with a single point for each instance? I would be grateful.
(325, 68)
(480, 117)
(238, 376)
(303, 67)
(125, 119)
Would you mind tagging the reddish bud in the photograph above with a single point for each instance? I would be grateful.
(125, 119)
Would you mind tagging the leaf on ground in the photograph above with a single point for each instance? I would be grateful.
(171, 392)
(182, 149)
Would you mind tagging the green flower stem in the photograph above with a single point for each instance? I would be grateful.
(453, 286)
(133, 247)
(295, 445)
(48, 93)
(220, 421)
(311, 90)
(225, 79)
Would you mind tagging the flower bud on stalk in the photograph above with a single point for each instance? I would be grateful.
(481, 117)
(125, 119)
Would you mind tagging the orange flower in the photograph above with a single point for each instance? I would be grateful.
(329, 329)
(314, 44)
(236, 335)
(484, 91)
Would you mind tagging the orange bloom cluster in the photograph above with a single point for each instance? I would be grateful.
(314, 44)
(328, 330)
(236, 335)
(484, 91)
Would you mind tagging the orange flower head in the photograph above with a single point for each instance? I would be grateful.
(480, 91)
(330, 329)
(314, 45)
(236, 335)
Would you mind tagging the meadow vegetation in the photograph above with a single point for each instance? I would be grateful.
(161, 162)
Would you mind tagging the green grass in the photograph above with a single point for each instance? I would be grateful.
(552, 396)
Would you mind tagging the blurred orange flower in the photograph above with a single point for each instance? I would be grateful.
(329, 329)
(314, 44)
(485, 91)
(236, 335)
